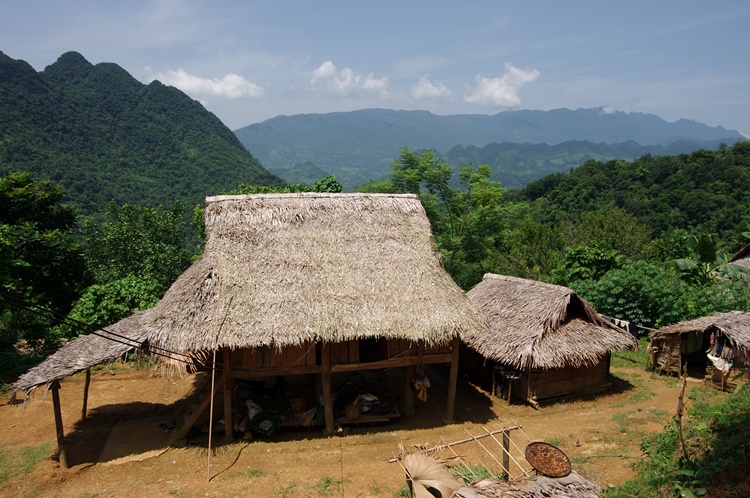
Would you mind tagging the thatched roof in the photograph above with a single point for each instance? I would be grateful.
(571, 486)
(734, 325)
(541, 326)
(85, 352)
(285, 269)
(742, 257)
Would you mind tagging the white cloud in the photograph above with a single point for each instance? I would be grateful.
(425, 89)
(231, 86)
(346, 82)
(608, 110)
(503, 91)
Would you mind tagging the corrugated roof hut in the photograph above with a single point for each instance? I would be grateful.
(717, 345)
(304, 283)
(543, 339)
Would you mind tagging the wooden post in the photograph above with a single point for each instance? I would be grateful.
(59, 425)
(409, 392)
(506, 454)
(192, 418)
(452, 381)
(86, 394)
(228, 422)
(325, 359)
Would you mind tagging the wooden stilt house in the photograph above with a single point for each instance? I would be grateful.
(310, 284)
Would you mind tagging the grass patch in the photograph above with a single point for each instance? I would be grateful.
(248, 473)
(471, 473)
(327, 485)
(21, 461)
(712, 460)
(632, 358)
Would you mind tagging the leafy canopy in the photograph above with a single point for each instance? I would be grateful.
(40, 261)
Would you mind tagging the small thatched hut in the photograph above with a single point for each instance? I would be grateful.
(742, 258)
(543, 339)
(717, 345)
(300, 284)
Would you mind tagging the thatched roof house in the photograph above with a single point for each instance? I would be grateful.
(295, 281)
(535, 327)
(719, 343)
(742, 257)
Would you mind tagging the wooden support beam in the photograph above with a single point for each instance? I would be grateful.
(452, 381)
(193, 418)
(325, 360)
(228, 423)
(409, 392)
(402, 361)
(506, 455)
(84, 408)
(62, 458)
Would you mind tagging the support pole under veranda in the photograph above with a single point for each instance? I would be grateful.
(62, 458)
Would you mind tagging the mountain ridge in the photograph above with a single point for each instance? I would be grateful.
(106, 137)
(358, 146)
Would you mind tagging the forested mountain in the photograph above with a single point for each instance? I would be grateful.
(706, 191)
(104, 136)
(361, 145)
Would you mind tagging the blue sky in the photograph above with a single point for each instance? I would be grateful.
(248, 61)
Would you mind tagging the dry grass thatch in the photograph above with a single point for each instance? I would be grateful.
(540, 326)
(85, 352)
(431, 477)
(733, 325)
(571, 486)
(286, 269)
(291, 268)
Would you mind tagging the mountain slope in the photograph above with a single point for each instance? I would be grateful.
(105, 136)
(361, 145)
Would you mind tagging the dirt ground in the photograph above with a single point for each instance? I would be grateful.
(121, 449)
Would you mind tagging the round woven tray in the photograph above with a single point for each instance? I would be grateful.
(547, 459)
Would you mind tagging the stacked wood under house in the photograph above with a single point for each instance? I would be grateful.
(543, 341)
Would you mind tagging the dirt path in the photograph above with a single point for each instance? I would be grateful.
(302, 462)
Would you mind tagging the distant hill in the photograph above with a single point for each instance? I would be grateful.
(104, 136)
(359, 146)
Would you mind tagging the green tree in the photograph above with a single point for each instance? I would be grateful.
(707, 263)
(468, 221)
(40, 262)
(104, 304)
(586, 263)
(141, 241)
(530, 249)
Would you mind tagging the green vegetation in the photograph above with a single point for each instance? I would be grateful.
(715, 437)
(40, 262)
(328, 485)
(105, 137)
(471, 473)
(14, 462)
(589, 230)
